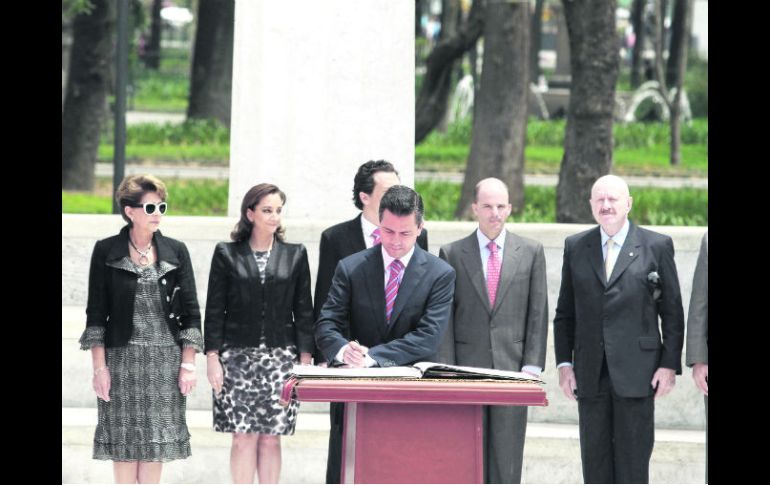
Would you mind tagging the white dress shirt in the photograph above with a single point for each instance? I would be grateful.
(367, 228)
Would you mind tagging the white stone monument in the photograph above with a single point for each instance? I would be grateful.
(318, 89)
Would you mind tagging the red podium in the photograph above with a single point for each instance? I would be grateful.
(415, 430)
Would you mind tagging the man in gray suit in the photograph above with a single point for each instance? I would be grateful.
(697, 355)
(500, 318)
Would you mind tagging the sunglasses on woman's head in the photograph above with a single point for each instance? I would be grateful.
(151, 207)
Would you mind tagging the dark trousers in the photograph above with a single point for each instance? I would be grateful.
(334, 457)
(616, 435)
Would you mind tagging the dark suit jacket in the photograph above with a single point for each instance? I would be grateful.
(337, 242)
(619, 318)
(356, 302)
(111, 290)
(239, 306)
(698, 317)
(514, 332)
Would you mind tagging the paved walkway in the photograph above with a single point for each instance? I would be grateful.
(136, 117)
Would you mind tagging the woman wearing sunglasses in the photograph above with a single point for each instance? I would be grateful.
(143, 330)
(259, 321)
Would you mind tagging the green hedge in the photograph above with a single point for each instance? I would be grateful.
(185, 198)
(697, 84)
(164, 89)
(551, 133)
(682, 207)
(213, 154)
(190, 132)
(651, 206)
(547, 159)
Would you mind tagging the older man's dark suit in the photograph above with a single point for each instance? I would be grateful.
(610, 331)
(338, 242)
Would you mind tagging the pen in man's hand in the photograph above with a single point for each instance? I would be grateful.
(359, 344)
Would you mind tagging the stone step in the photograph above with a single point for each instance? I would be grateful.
(551, 454)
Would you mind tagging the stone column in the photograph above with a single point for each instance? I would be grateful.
(318, 89)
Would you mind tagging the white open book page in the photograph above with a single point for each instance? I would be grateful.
(416, 371)
(332, 372)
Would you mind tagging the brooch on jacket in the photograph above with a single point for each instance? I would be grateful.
(653, 278)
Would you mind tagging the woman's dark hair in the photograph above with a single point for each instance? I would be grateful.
(251, 200)
(133, 187)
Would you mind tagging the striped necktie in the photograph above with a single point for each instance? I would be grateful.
(376, 236)
(391, 291)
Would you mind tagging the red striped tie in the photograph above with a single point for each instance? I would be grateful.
(493, 272)
(391, 291)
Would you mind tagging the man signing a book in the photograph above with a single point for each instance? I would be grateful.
(394, 298)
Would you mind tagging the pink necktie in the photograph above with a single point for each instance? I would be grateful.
(493, 272)
(392, 289)
(376, 236)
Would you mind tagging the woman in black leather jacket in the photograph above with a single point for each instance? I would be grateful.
(259, 321)
(143, 330)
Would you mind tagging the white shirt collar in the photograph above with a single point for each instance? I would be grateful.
(484, 240)
(367, 228)
(619, 238)
(387, 258)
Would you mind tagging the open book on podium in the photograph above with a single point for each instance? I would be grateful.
(441, 378)
(419, 370)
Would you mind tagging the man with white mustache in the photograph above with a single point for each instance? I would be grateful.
(613, 356)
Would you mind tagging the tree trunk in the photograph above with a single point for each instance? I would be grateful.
(66, 49)
(679, 52)
(450, 16)
(588, 133)
(212, 65)
(637, 21)
(473, 61)
(500, 121)
(417, 18)
(436, 84)
(563, 63)
(679, 33)
(152, 49)
(657, 21)
(88, 82)
(536, 34)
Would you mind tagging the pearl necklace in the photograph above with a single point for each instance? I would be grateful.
(142, 255)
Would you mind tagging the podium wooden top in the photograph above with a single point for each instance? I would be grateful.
(421, 391)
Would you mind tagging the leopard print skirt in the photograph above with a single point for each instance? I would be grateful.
(253, 380)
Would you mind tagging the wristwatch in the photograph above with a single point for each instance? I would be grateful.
(187, 366)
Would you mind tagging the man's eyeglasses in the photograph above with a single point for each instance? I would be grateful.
(151, 207)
